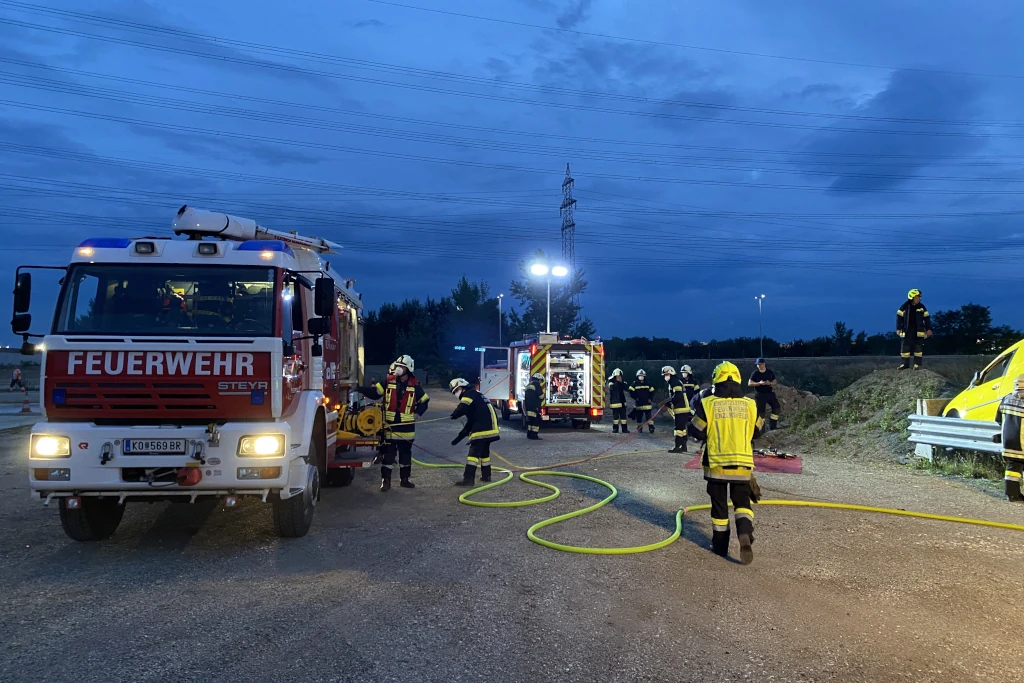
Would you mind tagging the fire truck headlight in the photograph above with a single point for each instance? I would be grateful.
(264, 445)
(44, 446)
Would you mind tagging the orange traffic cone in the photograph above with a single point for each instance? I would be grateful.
(26, 407)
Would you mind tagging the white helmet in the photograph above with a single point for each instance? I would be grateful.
(668, 370)
(405, 362)
(537, 376)
(641, 373)
(617, 372)
(457, 383)
(687, 369)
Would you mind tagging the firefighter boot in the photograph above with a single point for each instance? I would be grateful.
(615, 428)
(485, 473)
(468, 476)
(720, 543)
(650, 427)
(1013, 493)
(746, 547)
(680, 445)
(404, 473)
(385, 483)
(625, 428)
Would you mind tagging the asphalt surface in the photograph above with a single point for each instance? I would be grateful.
(412, 586)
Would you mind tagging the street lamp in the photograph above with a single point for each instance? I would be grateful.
(542, 269)
(500, 297)
(760, 316)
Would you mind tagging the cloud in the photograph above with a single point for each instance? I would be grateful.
(207, 145)
(574, 14)
(368, 23)
(889, 153)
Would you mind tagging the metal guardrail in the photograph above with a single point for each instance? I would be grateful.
(951, 432)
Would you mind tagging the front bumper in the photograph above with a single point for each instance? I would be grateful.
(97, 463)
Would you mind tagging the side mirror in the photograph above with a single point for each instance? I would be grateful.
(289, 350)
(318, 327)
(21, 322)
(22, 292)
(28, 348)
(975, 378)
(323, 297)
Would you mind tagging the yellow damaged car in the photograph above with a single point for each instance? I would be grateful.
(980, 400)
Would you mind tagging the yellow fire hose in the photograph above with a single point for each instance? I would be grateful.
(679, 515)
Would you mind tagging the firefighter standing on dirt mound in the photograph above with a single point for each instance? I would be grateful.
(763, 380)
(913, 325)
(642, 394)
(678, 407)
(403, 400)
(1012, 411)
(728, 422)
(533, 401)
(617, 402)
(481, 428)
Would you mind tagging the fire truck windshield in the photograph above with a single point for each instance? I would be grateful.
(166, 299)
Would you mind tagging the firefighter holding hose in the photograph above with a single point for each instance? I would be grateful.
(1012, 411)
(403, 400)
(533, 401)
(728, 422)
(481, 428)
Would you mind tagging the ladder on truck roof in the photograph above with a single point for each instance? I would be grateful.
(198, 223)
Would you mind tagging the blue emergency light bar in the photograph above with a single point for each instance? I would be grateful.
(266, 245)
(106, 243)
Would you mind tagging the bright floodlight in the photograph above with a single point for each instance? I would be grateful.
(539, 269)
(559, 271)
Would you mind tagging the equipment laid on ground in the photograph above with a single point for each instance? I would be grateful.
(216, 366)
(772, 453)
(573, 370)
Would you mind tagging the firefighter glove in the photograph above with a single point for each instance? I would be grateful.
(755, 490)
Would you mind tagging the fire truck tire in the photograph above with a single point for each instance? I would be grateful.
(96, 520)
(294, 516)
(340, 476)
(506, 414)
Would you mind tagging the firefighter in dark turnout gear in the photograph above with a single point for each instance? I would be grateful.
(617, 402)
(763, 381)
(1012, 411)
(728, 422)
(690, 384)
(678, 407)
(481, 428)
(913, 325)
(643, 394)
(403, 399)
(533, 401)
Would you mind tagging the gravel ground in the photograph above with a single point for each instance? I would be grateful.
(412, 586)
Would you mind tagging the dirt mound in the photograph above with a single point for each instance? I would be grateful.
(792, 400)
(867, 419)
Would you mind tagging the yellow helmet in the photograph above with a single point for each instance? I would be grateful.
(617, 372)
(912, 293)
(724, 371)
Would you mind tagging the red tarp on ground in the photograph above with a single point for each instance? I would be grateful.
(763, 464)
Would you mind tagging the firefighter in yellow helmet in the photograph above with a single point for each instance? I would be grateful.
(913, 325)
(1012, 411)
(617, 402)
(728, 422)
(481, 428)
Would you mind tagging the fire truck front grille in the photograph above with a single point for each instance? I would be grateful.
(102, 397)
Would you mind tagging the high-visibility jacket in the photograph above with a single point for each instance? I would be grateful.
(533, 398)
(728, 422)
(1012, 410)
(677, 396)
(913, 319)
(616, 394)
(481, 422)
(642, 393)
(403, 399)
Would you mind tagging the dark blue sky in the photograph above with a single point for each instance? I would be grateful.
(829, 155)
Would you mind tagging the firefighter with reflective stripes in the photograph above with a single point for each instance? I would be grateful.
(481, 428)
(1012, 412)
(763, 381)
(617, 402)
(913, 325)
(533, 401)
(690, 384)
(678, 407)
(643, 394)
(728, 422)
(403, 400)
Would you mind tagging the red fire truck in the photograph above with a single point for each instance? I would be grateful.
(221, 365)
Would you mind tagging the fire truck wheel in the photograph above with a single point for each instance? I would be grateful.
(340, 476)
(506, 414)
(97, 519)
(293, 516)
